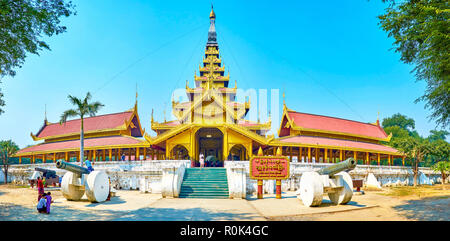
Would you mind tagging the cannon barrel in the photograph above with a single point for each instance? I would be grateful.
(348, 164)
(51, 172)
(46, 172)
(71, 167)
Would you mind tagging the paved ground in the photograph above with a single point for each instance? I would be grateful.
(19, 204)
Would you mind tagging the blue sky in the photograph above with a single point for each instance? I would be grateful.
(329, 57)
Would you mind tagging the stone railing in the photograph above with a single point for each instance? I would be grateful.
(172, 178)
(386, 175)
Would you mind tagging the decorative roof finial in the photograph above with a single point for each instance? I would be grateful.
(378, 118)
(136, 95)
(212, 15)
(152, 116)
(212, 36)
(284, 96)
(45, 114)
(165, 104)
(258, 116)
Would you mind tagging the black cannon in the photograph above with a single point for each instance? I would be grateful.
(50, 177)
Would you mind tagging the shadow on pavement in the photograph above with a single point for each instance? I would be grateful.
(12, 212)
(426, 209)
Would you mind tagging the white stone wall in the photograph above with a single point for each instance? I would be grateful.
(146, 175)
(127, 175)
(386, 175)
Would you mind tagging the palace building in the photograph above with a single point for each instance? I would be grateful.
(212, 122)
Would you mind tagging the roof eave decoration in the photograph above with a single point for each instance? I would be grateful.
(285, 114)
(35, 138)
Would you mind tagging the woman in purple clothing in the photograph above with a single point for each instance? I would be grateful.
(49, 201)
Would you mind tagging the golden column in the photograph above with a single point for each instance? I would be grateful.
(316, 155)
(299, 154)
(309, 154)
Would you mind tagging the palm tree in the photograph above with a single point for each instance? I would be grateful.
(83, 107)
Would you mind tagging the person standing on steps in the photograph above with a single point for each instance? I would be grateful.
(202, 160)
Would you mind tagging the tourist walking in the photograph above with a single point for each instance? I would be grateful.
(202, 160)
(49, 201)
(42, 204)
(40, 187)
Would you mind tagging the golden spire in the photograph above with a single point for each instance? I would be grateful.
(212, 15)
(152, 116)
(378, 118)
(136, 95)
(45, 115)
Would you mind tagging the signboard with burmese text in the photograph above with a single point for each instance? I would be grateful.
(269, 167)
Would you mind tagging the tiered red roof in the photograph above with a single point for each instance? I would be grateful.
(95, 123)
(336, 125)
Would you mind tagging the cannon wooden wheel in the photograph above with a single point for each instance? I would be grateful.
(344, 194)
(311, 189)
(97, 186)
(69, 191)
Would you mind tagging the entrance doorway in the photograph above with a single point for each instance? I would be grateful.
(210, 144)
(237, 153)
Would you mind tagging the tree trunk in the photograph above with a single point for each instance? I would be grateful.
(5, 172)
(443, 177)
(82, 143)
(416, 172)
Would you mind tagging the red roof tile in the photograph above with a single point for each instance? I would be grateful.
(323, 141)
(75, 144)
(333, 124)
(95, 123)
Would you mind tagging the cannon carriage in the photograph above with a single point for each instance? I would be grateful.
(333, 180)
(79, 180)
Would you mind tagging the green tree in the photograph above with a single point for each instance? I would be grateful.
(438, 135)
(399, 120)
(23, 24)
(444, 168)
(420, 29)
(415, 149)
(83, 108)
(7, 150)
